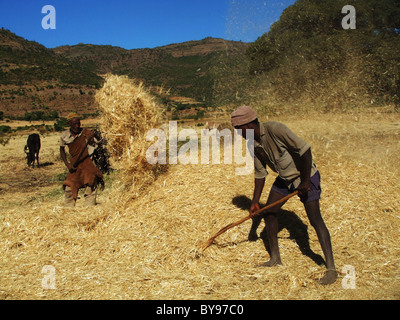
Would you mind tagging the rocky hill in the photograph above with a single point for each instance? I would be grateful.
(34, 78)
(64, 79)
(187, 69)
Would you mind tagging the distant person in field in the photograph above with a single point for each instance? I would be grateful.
(82, 171)
(277, 147)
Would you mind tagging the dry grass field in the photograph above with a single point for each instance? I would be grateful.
(149, 247)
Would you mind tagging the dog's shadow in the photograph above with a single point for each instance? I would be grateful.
(298, 231)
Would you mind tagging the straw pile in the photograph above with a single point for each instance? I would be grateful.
(128, 112)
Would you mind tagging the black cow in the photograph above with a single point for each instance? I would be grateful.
(32, 149)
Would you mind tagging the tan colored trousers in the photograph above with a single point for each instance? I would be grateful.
(90, 197)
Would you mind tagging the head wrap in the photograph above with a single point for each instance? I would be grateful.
(242, 116)
(72, 115)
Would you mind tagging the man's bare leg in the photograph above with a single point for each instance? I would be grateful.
(69, 199)
(314, 215)
(271, 227)
(253, 230)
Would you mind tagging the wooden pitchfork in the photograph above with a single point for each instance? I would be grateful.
(229, 226)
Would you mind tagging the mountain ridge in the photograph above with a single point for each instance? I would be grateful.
(64, 78)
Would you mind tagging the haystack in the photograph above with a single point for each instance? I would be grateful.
(128, 112)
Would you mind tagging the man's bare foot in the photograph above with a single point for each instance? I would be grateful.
(329, 278)
(272, 263)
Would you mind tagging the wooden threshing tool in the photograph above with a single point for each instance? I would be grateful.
(229, 226)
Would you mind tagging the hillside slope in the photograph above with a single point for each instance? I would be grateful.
(33, 77)
(308, 57)
(65, 78)
(187, 69)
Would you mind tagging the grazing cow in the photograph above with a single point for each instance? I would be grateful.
(32, 149)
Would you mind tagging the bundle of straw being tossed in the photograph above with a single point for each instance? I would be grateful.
(128, 112)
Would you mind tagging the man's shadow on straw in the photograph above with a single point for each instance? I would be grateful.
(286, 220)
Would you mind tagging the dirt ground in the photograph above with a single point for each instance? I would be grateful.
(149, 248)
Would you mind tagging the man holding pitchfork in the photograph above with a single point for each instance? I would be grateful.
(277, 147)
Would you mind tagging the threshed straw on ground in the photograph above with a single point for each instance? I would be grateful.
(147, 246)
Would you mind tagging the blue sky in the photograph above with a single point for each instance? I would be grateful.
(133, 24)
